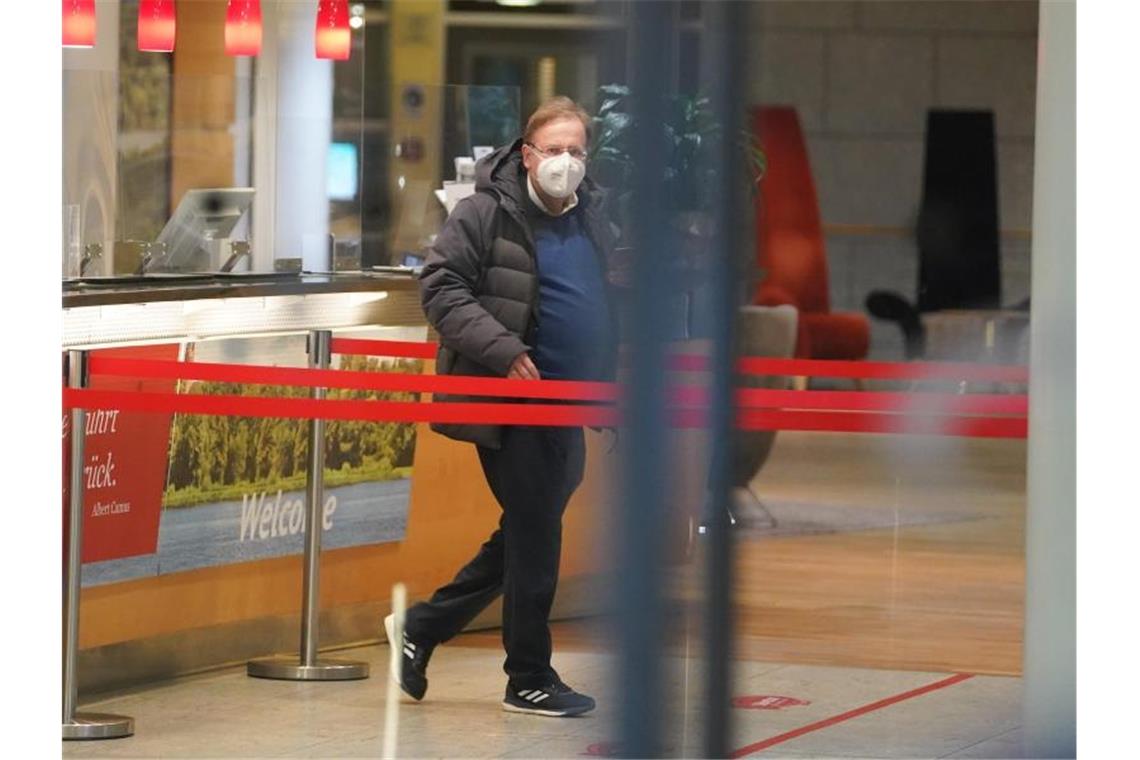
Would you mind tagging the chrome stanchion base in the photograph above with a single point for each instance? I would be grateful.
(290, 669)
(88, 725)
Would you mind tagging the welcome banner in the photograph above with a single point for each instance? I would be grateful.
(232, 489)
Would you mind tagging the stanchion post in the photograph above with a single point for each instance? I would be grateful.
(319, 358)
(308, 667)
(79, 725)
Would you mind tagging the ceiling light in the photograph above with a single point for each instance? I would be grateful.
(79, 23)
(334, 38)
(243, 27)
(156, 26)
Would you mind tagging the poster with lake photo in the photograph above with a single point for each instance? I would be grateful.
(235, 486)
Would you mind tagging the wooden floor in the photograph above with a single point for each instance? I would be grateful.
(927, 575)
(942, 589)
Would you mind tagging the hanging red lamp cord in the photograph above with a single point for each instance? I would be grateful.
(334, 37)
(243, 27)
(79, 23)
(156, 26)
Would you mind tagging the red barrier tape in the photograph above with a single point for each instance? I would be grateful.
(559, 415)
(756, 365)
(573, 390)
(928, 371)
(999, 373)
(880, 401)
(869, 422)
(937, 403)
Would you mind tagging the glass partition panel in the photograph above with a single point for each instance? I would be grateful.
(144, 140)
(198, 161)
(316, 128)
(195, 161)
(90, 127)
(90, 170)
(437, 135)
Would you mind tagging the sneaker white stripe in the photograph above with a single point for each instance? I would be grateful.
(537, 696)
(509, 707)
(540, 698)
(409, 652)
(409, 644)
(524, 693)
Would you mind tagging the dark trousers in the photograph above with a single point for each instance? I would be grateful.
(532, 476)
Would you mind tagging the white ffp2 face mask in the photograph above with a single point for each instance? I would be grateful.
(559, 176)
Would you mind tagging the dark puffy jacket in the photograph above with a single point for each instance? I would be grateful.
(479, 285)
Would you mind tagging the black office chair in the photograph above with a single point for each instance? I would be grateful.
(959, 257)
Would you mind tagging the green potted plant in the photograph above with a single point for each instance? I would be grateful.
(693, 135)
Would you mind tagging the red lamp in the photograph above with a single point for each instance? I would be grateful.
(334, 38)
(156, 26)
(79, 23)
(243, 27)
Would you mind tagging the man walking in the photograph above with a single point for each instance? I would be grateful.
(515, 286)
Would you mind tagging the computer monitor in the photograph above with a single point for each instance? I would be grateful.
(343, 169)
(202, 215)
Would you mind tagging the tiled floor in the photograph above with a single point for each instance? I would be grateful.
(929, 537)
(228, 714)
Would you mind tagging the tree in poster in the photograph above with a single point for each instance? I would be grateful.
(220, 457)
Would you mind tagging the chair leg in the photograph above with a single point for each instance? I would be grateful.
(800, 382)
(768, 520)
(747, 511)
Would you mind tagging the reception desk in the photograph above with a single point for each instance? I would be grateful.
(175, 623)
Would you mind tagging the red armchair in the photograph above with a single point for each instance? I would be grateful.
(789, 243)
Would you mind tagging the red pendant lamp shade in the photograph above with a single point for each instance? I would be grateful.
(334, 38)
(156, 25)
(79, 23)
(243, 27)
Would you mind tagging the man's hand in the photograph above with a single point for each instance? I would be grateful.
(522, 368)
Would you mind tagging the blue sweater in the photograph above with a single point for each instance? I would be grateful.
(573, 317)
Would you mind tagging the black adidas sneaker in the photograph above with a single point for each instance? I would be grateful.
(413, 662)
(556, 700)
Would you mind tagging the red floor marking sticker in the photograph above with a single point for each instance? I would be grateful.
(602, 749)
(766, 702)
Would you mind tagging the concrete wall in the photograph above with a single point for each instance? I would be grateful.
(863, 75)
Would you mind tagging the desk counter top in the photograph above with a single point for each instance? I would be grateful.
(102, 291)
(163, 308)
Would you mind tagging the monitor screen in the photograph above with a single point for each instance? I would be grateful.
(342, 171)
(202, 215)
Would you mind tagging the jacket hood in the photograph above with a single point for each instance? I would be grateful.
(503, 174)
